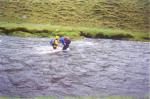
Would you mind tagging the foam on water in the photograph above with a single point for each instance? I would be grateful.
(83, 43)
(47, 49)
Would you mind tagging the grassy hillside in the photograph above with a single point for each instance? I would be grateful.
(124, 14)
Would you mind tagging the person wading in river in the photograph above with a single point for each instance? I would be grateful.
(55, 42)
(65, 41)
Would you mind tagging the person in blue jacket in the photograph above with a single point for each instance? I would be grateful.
(65, 41)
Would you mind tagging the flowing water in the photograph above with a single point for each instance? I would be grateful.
(29, 67)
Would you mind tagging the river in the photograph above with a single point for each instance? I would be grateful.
(92, 67)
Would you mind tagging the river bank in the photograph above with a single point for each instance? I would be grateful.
(47, 30)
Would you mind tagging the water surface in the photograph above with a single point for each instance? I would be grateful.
(90, 68)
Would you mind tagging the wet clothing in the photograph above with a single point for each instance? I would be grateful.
(62, 40)
(65, 41)
(54, 43)
(65, 47)
(51, 41)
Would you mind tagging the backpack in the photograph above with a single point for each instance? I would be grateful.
(51, 41)
(67, 41)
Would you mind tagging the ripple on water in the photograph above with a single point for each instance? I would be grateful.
(91, 67)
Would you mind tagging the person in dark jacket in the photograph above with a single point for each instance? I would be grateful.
(65, 41)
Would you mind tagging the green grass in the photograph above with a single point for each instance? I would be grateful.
(124, 14)
(47, 30)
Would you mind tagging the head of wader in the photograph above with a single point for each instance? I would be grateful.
(57, 37)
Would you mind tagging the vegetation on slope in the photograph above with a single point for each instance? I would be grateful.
(115, 19)
(47, 30)
(122, 14)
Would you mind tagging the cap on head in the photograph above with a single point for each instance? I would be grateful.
(56, 37)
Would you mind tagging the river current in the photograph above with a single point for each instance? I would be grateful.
(92, 67)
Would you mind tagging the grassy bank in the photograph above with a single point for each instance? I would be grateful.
(47, 30)
(124, 14)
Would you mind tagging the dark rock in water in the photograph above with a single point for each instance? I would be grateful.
(147, 38)
(101, 35)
